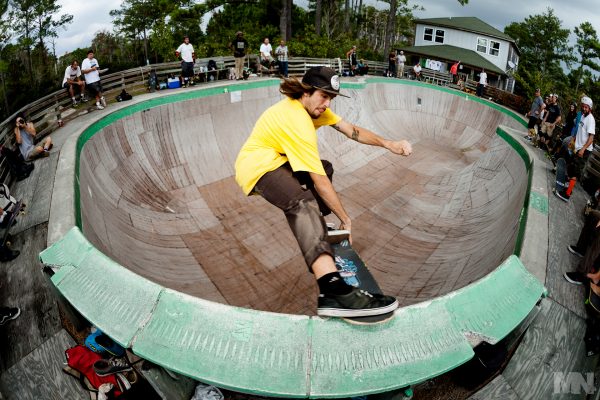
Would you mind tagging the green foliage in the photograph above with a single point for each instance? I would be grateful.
(161, 41)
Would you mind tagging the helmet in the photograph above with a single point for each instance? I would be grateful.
(586, 100)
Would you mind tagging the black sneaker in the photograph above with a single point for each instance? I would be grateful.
(108, 367)
(576, 278)
(562, 196)
(357, 303)
(8, 314)
(575, 250)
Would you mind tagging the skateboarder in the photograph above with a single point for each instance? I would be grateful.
(281, 155)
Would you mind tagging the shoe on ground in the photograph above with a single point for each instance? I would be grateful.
(8, 314)
(357, 303)
(99, 106)
(575, 250)
(103, 101)
(576, 278)
(562, 196)
(108, 367)
(45, 153)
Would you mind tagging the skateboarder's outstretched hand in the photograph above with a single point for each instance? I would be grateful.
(402, 147)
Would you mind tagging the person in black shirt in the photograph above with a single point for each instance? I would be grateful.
(551, 119)
(239, 45)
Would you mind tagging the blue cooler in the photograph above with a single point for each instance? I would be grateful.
(173, 83)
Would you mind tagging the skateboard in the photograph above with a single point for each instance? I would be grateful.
(561, 177)
(355, 273)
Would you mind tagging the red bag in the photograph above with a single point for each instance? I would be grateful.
(82, 359)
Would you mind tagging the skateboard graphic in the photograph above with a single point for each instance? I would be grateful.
(355, 273)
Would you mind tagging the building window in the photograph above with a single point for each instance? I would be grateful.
(482, 45)
(494, 48)
(439, 36)
(428, 35)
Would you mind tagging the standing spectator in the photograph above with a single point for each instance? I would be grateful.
(186, 51)
(72, 80)
(239, 46)
(551, 119)
(25, 138)
(587, 248)
(401, 58)
(282, 58)
(90, 69)
(352, 58)
(392, 64)
(266, 58)
(417, 70)
(582, 144)
(534, 114)
(482, 83)
(454, 71)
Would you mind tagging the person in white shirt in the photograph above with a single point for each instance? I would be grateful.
(584, 139)
(186, 51)
(90, 68)
(266, 59)
(482, 83)
(72, 80)
(417, 69)
(401, 60)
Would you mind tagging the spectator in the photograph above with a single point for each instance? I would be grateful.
(73, 80)
(266, 59)
(401, 58)
(352, 58)
(282, 58)
(551, 119)
(454, 71)
(25, 136)
(482, 83)
(186, 51)
(9, 314)
(417, 71)
(566, 133)
(362, 67)
(582, 142)
(587, 249)
(239, 46)
(91, 71)
(534, 115)
(392, 64)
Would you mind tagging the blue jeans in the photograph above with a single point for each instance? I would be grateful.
(283, 68)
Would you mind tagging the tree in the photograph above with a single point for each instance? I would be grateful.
(588, 49)
(544, 46)
(46, 24)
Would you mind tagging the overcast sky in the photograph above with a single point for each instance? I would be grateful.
(91, 17)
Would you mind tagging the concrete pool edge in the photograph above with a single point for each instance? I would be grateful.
(70, 150)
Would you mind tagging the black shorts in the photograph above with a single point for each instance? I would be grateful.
(94, 88)
(532, 122)
(187, 69)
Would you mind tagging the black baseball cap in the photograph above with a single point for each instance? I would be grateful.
(323, 78)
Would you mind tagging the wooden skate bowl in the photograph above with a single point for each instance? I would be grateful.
(158, 195)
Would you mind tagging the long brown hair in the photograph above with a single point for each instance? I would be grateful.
(294, 88)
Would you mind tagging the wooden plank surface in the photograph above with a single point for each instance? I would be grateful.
(39, 375)
(498, 389)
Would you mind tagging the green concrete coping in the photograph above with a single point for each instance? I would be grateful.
(284, 355)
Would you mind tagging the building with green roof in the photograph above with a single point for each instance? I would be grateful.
(439, 42)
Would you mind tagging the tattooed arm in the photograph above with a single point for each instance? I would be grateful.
(365, 136)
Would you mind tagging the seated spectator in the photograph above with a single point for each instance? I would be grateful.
(25, 137)
(72, 81)
(362, 67)
(266, 59)
(417, 71)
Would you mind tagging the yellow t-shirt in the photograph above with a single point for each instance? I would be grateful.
(284, 132)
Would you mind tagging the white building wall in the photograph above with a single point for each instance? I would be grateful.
(466, 40)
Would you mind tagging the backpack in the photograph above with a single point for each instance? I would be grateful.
(211, 65)
(123, 96)
(19, 169)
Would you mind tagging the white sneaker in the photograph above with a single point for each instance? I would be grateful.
(98, 106)
(103, 101)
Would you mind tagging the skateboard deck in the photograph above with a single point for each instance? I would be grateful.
(355, 273)
(561, 175)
